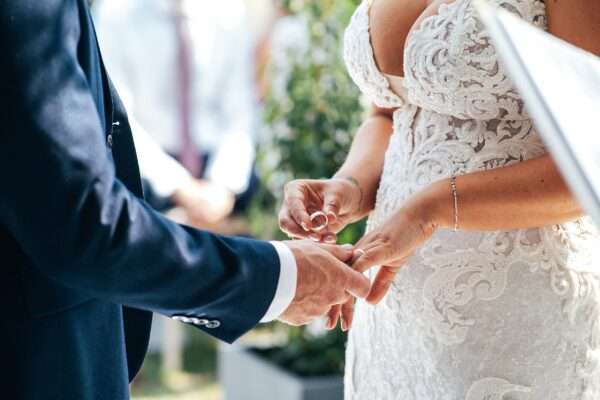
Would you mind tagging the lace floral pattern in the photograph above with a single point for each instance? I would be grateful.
(473, 315)
(468, 82)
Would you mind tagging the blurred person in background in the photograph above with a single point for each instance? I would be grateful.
(285, 39)
(185, 72)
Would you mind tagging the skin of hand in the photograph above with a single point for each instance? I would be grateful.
(206, 203)
(339, 198)
(324, 279)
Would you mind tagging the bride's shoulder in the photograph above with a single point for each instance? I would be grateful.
(390, 24)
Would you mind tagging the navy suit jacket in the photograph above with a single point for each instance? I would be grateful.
(84, 259)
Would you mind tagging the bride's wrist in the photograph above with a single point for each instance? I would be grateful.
(358, 193)
(435, 205)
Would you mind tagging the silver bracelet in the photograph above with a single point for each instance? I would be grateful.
(455, 196)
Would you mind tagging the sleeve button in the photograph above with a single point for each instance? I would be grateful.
(213, 324)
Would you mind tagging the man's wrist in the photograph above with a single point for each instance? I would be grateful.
(286, 285)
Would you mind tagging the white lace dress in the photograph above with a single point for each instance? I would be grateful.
(473, 315)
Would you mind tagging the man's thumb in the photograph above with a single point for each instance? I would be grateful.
(357, 284)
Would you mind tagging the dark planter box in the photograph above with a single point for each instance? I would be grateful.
(246, 376)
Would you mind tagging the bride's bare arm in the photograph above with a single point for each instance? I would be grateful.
(576, 21)
(364, 162)
(529, 194)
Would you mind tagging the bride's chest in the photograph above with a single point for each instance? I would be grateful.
(448, 60)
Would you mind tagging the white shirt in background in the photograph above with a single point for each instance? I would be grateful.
(139, 45)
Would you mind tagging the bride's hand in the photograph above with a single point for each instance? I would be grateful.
(391, 245)
(339, 198)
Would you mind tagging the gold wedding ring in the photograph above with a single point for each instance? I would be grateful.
(319, 221)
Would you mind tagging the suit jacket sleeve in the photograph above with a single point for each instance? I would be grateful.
(77, 222)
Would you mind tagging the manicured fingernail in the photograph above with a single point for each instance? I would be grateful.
(330, 239)
(304, 226)
(344, 324)
(314, 237)
(348, 246)
(331, 215)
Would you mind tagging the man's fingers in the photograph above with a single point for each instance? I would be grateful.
(347, 314)
(356, 283)
(381, 284)
(333, 316)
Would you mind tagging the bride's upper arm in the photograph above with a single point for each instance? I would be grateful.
(576, 21)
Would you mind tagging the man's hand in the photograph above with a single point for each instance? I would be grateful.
(206, 204)
(324, 279)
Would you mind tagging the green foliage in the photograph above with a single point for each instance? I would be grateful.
(312, 110)
(322, 108)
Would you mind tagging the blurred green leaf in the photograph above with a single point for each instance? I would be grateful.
(311, 120)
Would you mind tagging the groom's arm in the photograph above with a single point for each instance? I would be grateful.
(77, 222)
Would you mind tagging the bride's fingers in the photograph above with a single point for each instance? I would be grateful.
(331, 205)
(333, 316)
(381, 284)
(369, 255)
(347, 311)
(299, 213)
(289, 227)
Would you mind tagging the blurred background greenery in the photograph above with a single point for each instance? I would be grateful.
(311, 111)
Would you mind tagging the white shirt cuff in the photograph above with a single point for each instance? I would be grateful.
(286, 286)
